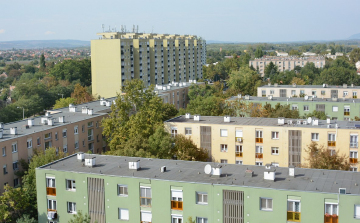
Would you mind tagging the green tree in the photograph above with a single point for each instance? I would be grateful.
(72, 70)
(26, 219)
(64, 102)
(185, 149)
(14, 202)
(280, 111)
(81, 95)
(270, 70)
(320, 157)
(42, 62)
(333, 51)
(317, 114)
(354, 55)
(244, 81)
(259, 53)
(79, 217)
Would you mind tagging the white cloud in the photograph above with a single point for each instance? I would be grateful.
(2, 31)
(49, 33)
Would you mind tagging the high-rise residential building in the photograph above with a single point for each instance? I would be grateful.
(314, 91)
(285, 63)
(143, 190)
(152, 58)
(345, 109)
(258, 141)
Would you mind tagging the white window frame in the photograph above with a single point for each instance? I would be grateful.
(258, 133)
(29, 143)
(5, 169)
(124, 192)
(177, 195)
(259, 149)
(356, 215)
(274, 150)
(294, 107)
(146, 203)
(259, 163)
(201, 220)
(353, 154)
(50, 182)
(51, 203)
(71, 207)
(188, 131)
(353, 169)
(176, 218)
(292, 209)
(76, 129)
(223, 148)
(239, 133)
(65, 149)
(239, 162)
(275, 135)
(335, 108)
(4, 151)
(174, 132)
(314, 136)
(16, 165)
(223, 132)
(72, 186)
(201, 195)
(77, 145)
(332, 208)
(123, 214)
(223, 161)
(14, 147)
(332, 137)
(144, 220)
(345, 93)
(64, 133)
(267, 206)
(354, 139)
(306, 107)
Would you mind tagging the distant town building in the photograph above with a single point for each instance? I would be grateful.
(285, 63)
(152, 58)
(281, 54)
(309, 54)
(334, 56)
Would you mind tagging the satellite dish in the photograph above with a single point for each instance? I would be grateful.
(306, 97)
(207, 169)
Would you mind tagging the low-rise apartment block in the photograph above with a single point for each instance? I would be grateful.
(285, 63)
(336, 109)
(315, 91)
(127, 189)
(258, 141)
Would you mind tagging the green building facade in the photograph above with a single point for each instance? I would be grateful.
(335, 109)
(111, 191)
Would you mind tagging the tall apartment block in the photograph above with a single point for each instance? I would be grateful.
(258, 141)
(336, 109)
(285, 63)
(73, 129)
(153, 58)
(314, 91)
(127, 189)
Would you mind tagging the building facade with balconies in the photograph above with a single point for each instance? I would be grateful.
(127, 189)
(152, 58)
(258, 141)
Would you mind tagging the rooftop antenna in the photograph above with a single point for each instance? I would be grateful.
(122, 28)
(103, 26)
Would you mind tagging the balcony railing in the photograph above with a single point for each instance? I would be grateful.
(177, 205)
(238, 154)
(331, 143)
(51, 191)
(353, 160)
(294, 216)
(258, 155)
(346, 113)
(331, 219)
(238, 139)
(354, 96)
(259, 140)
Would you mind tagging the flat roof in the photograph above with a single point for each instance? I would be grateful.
(251, 121)
(309, 180)
(70, 117)
(295, 99)
(311, 86)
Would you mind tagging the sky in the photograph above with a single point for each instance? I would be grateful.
(221, 20)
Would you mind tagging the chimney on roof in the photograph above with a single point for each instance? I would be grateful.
(50, 121)
(344, 85)
(315, 121)
(292, 171)
(281, 121)
(84, 110)
(247, 97)
(13, 130)
(216, 171)
(102, 101)
(90, 111)
(187, 115)
(227, 118)
(196, 117)
(328, 120)
(249, 173)
(47, 113)
(90, 161)
(30, 122)
(62, 119)
(81, 156)
(276, 84)
(72, 108)
(134, 165)
(239, 95)
(269, 173)
(108, 103)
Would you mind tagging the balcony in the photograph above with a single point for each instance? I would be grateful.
(294, 216)
(353, 160)
(177, 205)
(331, 143)
(258, 140)
(51, 191)
(331, 218)
(258, 155)
(238, 154)
(354, 96)
(347, 113)
(238, 139)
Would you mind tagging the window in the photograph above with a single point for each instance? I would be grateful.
(223, 133)
(16, 182)
(266, 204)
(15, 165)
(293, 92)
(145, 196)
(4, 151)
(238, 151)
(70, 185)
(71, 207)
(52, 205)
(293, 210)
(271, 91)
(97, 124)
(353, 141)
(331, 209)
(302, 93)
(91, 147)
(294, 107)
(223, 161)
(47, 135)
(345, 93)
(223, 148)
(76, 130)
(353, 157)
(48, 144)
(335, 108)
(314, 136)
(65, 149)
(331, 139)
(50, 182)
(90, 124)
(306, 107)
(263, 93)
(64, 133)
(29, 143)
(173, 132)
(176, 199)
(320, 107)
(313, 93)
(176, 219)
(347, 110)
(357, 211)
(201, 198)
(38, 142)
(258, 163)
(275, 135)
(5, 169)
(146, 216)
(201, 220)
(97, 138)
(322, 92)
(354, 94)
(259, 152)
(122, 190)
(275, 150)
(76, 145)
(239, 162)
(259, 136)
(84, 143)
(123, 214)
(14, 148)
(83, 128)
(90, 134)
(188, 131)
(353, 169)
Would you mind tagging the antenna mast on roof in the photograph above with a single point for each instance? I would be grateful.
(122, 28)
(103, 26)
